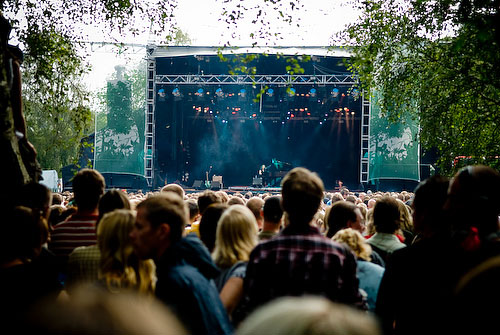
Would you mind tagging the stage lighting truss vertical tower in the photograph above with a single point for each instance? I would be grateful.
(149, 143)
(365, 138)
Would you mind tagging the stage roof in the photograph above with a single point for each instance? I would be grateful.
(175, 51)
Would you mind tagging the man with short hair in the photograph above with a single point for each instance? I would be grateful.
(79, 229)
(344, 214)
(300, 260)
(176, 188)
(272, 213)
(183, 265)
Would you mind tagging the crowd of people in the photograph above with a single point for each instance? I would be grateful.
(303, 261)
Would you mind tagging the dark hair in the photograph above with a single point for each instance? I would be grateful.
(340, 213)
(273, 212)
(302, 192)
(207, 198)
(35, 196)
(24, 231)
(474, 199)
(168, 208)
(193, 209)
(208, 224)
(88, 186)
(111, 200)
(429, 198)
(386, 215)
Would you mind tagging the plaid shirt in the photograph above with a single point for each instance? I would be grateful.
(83, 265)
(301, 261)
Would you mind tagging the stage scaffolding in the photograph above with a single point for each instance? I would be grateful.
(321, 80)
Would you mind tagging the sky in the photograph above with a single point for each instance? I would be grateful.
(318, 20)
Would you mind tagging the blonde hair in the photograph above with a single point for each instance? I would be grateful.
(370, 227)
(406, 218)
(307, 315)
(355, 241)
(120, 268)
(236, 236)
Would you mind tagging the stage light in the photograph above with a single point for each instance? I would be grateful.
(312, 92)
(291, 92)
(242, 93)
(346, 109)
(219, 92)
(176, 92)
(199, 92)
(355, 93)
(161, 93)
(270, 92)
(335, 92)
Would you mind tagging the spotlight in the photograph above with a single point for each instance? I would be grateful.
(291, 92)
(312, 92)
(219, 92)
(199, 92)
(242, 93)
(270, 92)
(161, 93)
(355, 93)
(176, 92)
(335, 92)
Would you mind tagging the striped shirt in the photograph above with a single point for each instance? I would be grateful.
(77, 231)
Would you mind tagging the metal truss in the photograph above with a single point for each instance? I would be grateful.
(331, 79)
(365, 139)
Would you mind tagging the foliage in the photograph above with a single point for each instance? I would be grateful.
(51, 33)
(55, 103)
(439, 61)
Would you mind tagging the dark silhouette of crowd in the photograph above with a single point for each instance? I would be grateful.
(304, 261)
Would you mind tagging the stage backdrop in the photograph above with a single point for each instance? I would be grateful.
(394, 148)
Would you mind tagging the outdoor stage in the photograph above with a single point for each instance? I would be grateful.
(206, 121)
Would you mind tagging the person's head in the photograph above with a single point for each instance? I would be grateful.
(302, 192)
(174, 188)
(159, 223)
(222, 196)
(474, 200)
(355, 241)
(255, 204)
(111, 200)
(194, 211)
(24, 233)
(36, 196)
(427, 204)
(371, 203)
(119, 266)
(236, 236)
(57, 199)
(273, 212)
(406, 218)
(93, 310)
(344, 214)
(386, 215)
(308, 315)
(337, 196)
(208, 224)
(351, 198)
(207, 198)
(235, 200)
(88, 186)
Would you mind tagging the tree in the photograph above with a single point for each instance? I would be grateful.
(55, 101)
(439, 61)
(50, 34)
